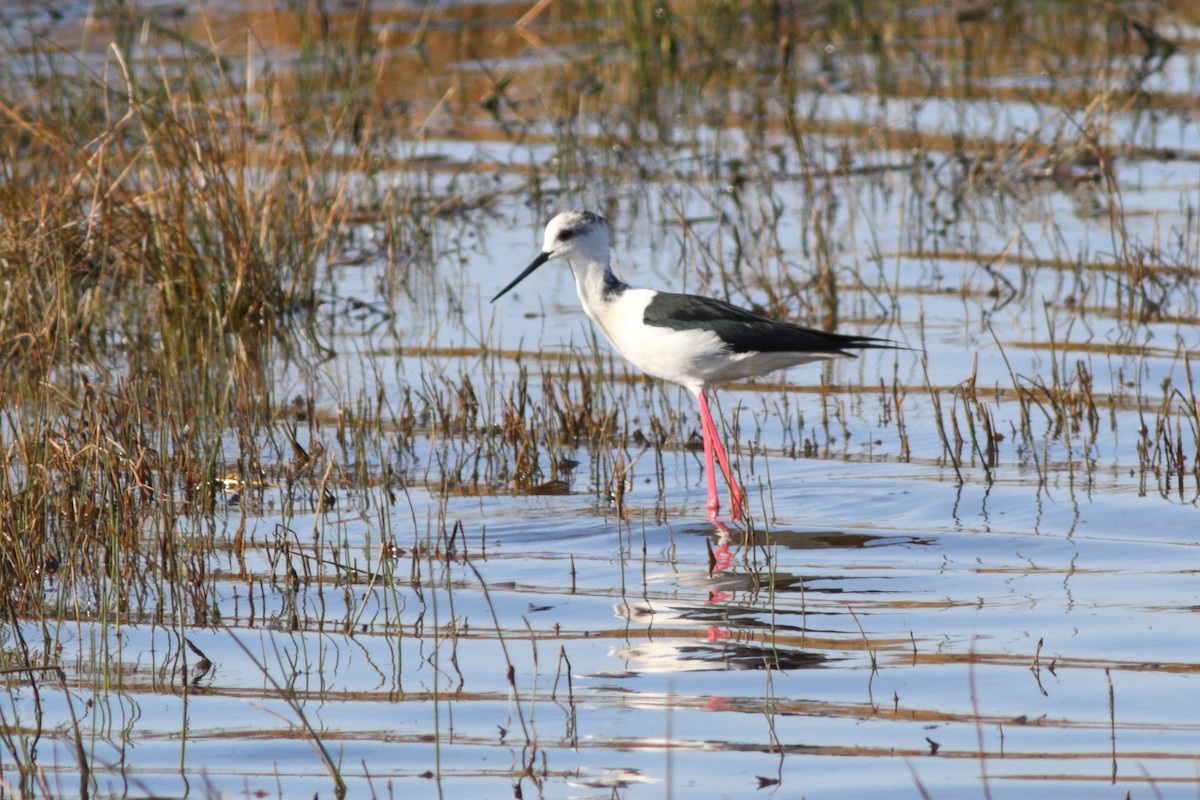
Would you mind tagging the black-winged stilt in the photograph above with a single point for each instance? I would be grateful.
(694, 341)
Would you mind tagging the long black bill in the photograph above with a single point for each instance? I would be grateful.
(537, 262)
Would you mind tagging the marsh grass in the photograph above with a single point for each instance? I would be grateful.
(154, 259)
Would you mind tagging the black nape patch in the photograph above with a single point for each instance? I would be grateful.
(613, 287)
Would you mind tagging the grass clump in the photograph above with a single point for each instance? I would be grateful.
(161, 230)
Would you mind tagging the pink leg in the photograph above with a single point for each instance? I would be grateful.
(735, 491)
(709, 429)
(710, 472)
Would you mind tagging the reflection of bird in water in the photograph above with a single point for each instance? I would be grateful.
(715, 634)
(746, 621)
(697, 342)
(721, 556)
(675, 655)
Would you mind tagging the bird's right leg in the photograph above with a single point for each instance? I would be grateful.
(710, 472)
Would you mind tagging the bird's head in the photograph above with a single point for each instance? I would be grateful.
(574, 232)
(571, 233)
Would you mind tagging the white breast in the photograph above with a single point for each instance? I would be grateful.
(692, 358)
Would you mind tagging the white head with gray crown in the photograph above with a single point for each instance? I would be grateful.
(571, 235)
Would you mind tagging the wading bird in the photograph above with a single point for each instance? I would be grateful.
(697, 342)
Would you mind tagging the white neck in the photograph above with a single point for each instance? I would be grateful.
(594, 282)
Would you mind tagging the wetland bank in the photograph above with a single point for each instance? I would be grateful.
(288, 508)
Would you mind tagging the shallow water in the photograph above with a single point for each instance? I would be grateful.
(897, 618)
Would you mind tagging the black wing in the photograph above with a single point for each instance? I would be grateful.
(744, 331)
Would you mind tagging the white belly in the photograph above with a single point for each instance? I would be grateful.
(694, 358)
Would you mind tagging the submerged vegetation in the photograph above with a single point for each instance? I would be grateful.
(247, 363)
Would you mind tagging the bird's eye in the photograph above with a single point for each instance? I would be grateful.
(565, 235)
